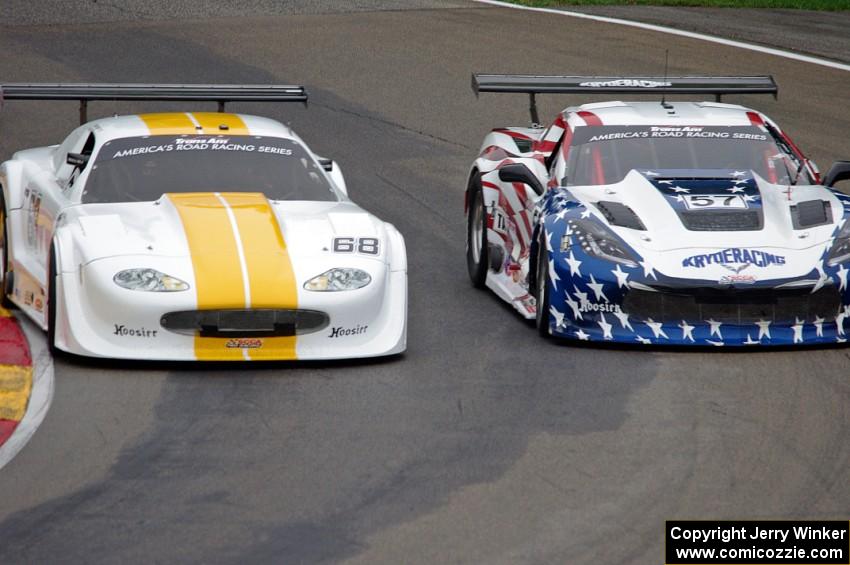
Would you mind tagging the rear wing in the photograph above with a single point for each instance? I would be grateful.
(536, 84)
(220, 93)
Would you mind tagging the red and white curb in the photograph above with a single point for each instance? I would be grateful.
(24, 354)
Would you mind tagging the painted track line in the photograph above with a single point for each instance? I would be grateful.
(41, 394)
(673, 31)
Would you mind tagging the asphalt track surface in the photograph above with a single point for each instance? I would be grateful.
(483, 443)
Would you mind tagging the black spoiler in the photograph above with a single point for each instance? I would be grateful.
(220, 93)
(537, 84)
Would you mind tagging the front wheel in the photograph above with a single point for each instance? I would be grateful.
(542, 290)
(476, 239)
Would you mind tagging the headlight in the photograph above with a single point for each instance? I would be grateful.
(149, 280)
(338, 279)
(840, 251)
(597, 241)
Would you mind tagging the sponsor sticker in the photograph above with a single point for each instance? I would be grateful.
(737, 279)
(340, 331)
(124, 331)
(734, 256)
(630, 82)
(244, 343)
(588, 306)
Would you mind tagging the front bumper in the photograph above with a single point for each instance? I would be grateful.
(641, 310)
(96, 318)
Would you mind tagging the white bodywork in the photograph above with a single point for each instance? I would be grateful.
(95, 317)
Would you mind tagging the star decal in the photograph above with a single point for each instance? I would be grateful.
(798, 330)
(622, 276)
(819, 326)
(574, 264)
(559, 317)
(656, 328)
(643, 340)
(606, 327)
(842, 277)
(624, 320)
(553, 276)
(562, 214)
(651, 173)
(822, 278)
(680, 190)
(750, 198)
(840, 340)
(549, 242)
(665, 182)
(648, 271)
(736, 189)
(573, 306)
(582, 296)
(764, 328)
(582, 336)
(585, 214)
(687, 331)
(738, 173)
(839, 320)
(597, 289)
(750, 340)
(715, 343)
(715, 328)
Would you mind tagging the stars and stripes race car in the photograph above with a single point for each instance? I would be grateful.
(196, 236)
(686, 223)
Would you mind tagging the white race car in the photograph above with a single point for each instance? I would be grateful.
(675, 223)
(196, 236)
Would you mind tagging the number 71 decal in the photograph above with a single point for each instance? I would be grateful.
(365, 245)
(708, 201)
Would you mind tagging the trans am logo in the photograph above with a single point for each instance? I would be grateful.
(734, 256)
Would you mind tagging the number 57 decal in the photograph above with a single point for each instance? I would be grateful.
(365, 245)
(708, 201)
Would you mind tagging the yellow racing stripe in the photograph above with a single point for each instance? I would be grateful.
(212, 122)
(272, 280)
(179, 123)
(173, 123)
(215, 260)
(222, 231)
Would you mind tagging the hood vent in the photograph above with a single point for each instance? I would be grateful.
(620, 215)
(811, 213)
(710, 220)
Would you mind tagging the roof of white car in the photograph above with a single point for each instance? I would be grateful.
(188, 123)
(671, 113)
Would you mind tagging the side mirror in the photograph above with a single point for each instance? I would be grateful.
(839, 171)
(77, 159)
(517, 172)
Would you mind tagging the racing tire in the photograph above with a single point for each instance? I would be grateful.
(477, 260)
(541, 291)
(51, 305)
(5, 302)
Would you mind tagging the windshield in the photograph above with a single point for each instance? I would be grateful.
(136, 169)
(606, 154)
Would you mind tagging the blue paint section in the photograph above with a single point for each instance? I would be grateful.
(587, 293)
(709, 189)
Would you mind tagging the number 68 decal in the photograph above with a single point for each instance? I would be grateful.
(365, 245)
